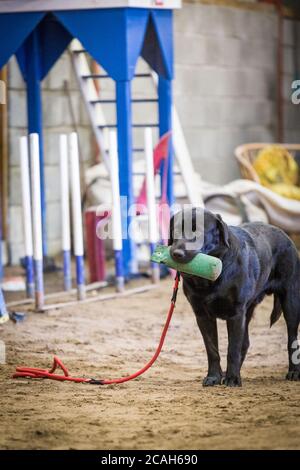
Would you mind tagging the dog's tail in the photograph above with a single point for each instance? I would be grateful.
(276, 312)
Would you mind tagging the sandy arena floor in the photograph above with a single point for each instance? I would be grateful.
(165, 409)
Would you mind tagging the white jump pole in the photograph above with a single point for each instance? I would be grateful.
(116, 210)
(65, 211)
(152, 218)
(37, 220)
(77, 214)
(27, 218)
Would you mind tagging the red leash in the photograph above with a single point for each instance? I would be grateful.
(35, 373)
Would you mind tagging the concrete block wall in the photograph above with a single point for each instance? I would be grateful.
(225, 82)
(57, 119)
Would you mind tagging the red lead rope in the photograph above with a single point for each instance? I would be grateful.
(35, 373)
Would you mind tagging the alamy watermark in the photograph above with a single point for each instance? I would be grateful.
(187, 223)
(2, 92)
(295, 97)
(296, 353)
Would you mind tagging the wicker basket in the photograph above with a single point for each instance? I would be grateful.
(247, 153)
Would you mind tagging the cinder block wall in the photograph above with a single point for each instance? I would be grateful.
(57, 119)
(225, 87)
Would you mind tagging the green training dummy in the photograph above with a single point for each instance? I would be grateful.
(201, 265)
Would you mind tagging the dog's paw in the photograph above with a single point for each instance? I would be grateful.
(211, 380)
(232, 381)
(293, 375)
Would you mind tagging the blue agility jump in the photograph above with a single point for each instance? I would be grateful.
(116, 38)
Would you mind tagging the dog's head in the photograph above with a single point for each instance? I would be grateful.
(197, 230)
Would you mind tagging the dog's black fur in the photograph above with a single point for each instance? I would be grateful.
(258, 259)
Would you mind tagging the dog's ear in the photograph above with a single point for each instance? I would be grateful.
(171, 231)
(223, 229)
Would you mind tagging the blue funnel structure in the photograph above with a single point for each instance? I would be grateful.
(115, 37)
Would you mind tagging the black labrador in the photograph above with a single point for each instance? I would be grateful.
(258, 259)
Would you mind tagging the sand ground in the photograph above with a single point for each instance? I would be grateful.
(165, 409)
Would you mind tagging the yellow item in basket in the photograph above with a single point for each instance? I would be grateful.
(278, 171)
(286, 190)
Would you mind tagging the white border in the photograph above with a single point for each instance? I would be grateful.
(17, 6)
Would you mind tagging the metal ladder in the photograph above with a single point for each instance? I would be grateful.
(102, 114)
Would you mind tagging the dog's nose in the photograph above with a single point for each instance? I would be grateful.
(178, 254)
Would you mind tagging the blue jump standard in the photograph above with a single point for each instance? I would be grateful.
(34, 113)
(39, 284)
(119, 270)
(29, 276)
(165, 125)
(80, 277)
(124, 115)
(152, 248)
(67, 270)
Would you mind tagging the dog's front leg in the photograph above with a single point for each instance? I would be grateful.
(209, 331)
(236, 330)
